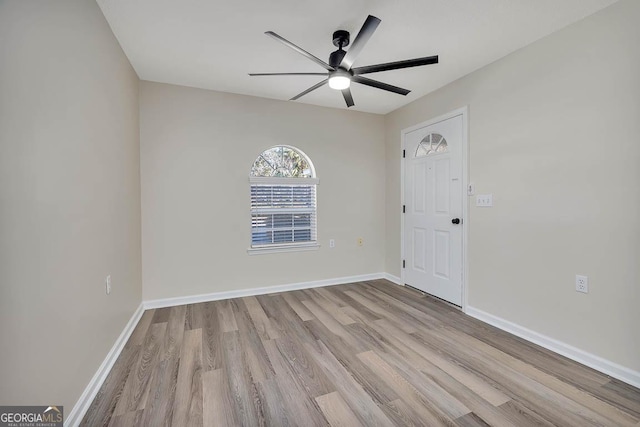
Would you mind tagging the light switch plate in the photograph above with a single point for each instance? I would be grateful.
(484, 200)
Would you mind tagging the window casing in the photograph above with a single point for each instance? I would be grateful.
(283, 201)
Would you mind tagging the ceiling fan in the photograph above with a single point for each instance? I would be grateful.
(340, 73)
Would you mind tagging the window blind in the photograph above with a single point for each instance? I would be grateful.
(283, 214)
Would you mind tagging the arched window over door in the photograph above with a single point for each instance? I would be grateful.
(283, 201)
(434, 143)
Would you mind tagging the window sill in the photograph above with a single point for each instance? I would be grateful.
(281, 249)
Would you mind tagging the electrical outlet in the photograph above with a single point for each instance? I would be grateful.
(582, 284)
(332, 243)
(484, 200)
(360, 241)
(107, 284)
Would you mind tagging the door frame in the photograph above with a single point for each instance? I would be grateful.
(464, 112)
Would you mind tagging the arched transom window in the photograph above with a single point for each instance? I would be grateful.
(434, 143)
(283, 200)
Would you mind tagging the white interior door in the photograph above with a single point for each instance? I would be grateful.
(433, 198)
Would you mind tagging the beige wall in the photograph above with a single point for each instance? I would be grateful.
(555, 136)
(69, 198)
(197, 148)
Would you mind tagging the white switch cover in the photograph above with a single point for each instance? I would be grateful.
(484, 200)
(332, 243)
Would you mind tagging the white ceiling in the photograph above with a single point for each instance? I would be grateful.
(213, 44)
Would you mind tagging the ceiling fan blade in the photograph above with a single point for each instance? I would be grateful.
(312, 88)
(348, 98)
(288, 74)
(396, 65)
(300, 50)
(369, 26)
(379, 85)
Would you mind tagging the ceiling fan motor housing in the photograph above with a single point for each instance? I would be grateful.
(336, 58)
(340, 39)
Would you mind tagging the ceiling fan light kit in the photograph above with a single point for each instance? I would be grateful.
(340, 73)
(339, 79)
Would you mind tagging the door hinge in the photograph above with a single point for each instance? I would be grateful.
(404, 208)
(403, 263)
(404, 153)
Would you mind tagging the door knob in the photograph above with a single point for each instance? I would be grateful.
(455, 221)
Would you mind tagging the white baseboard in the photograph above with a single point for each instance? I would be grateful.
(82, 405)
(393, 279)
(215, 296)
(598, 363)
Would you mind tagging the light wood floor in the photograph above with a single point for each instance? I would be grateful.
(365, 354)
